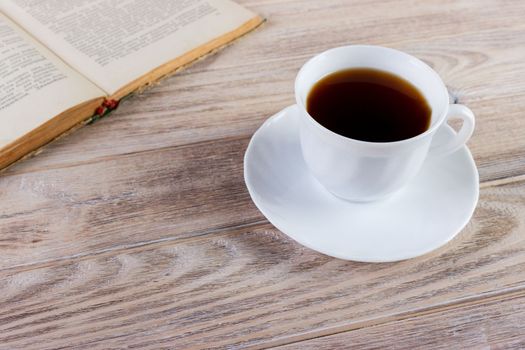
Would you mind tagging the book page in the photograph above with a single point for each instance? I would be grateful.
(35, 85)
(115, 42)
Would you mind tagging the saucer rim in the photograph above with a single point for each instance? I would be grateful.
(367, 259)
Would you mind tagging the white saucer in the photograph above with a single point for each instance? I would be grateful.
(423, 216)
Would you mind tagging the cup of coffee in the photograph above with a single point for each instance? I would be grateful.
(367, 118)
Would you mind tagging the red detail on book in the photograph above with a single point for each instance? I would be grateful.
(100, 111)
(110, 104)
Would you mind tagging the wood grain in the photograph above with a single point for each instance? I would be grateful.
(471, 326)
(138, 232)
(254, 287)
(129, 200)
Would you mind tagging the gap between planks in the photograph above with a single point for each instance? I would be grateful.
(501, 181)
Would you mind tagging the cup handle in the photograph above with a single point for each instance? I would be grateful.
(455, 111)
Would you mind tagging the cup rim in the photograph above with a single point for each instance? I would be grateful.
(433, 128)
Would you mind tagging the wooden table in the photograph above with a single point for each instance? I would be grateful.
(138, 231)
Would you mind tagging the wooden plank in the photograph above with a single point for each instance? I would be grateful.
(479, 56)
(305, 27)
(164, 194)
(253, 287)
(492, 324)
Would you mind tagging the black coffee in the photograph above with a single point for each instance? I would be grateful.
(369, 105)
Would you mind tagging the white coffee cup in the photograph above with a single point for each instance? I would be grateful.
(368, 171)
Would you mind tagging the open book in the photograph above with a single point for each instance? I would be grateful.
(62, 61)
